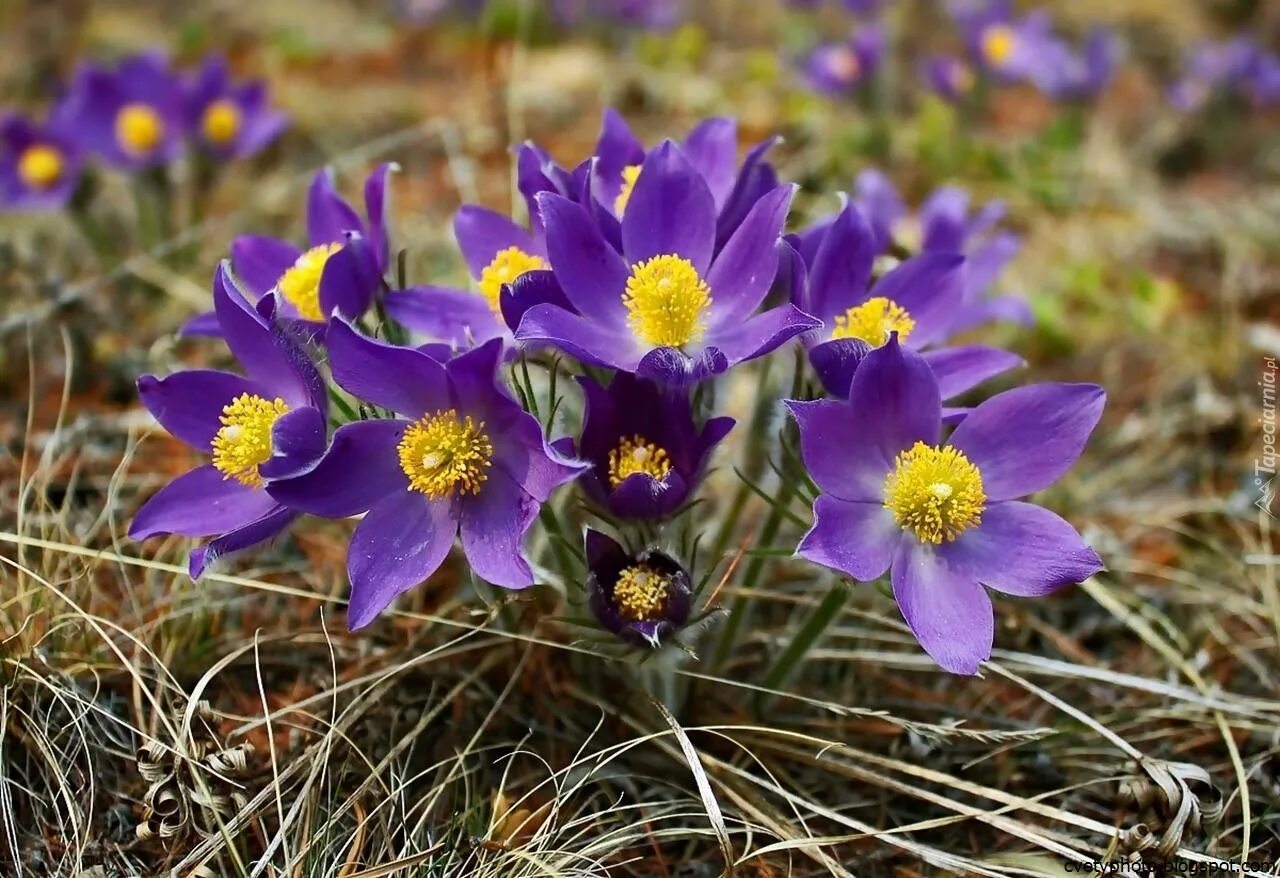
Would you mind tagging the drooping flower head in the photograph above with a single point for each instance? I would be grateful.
(642, 598)
(131, 116)
(945, 519)
(664, 308)
(226, 118)
(460, 456)
(947, 76)
(269, 423)
(40, 165)
(842, 68)
(1006, 47)
(647, 452)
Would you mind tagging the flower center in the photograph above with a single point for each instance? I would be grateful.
(843, 66)
(630, 174)
(443, 452)
(666, 301)
(221, 121)
(300, 284)
(998, 42)
(637, 455)
(641, 593)
(506, 268)
(139, 129)
(873, 321)
(244, 440)
(936, 493)
(40, 166)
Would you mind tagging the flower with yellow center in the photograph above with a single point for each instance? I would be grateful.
(998, 43)
(630, 174)
(139, 129)
(300, 284)
(641, 593)
(221, 121)
(873, 321)
(442, 454)
(666, 301)
(507, 267)
(634, 455)
(40, 166)
(935, 493)
(244, 440)
(843, 65)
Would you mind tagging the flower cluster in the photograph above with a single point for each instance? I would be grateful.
(1236, 66)
(135, 115)
(659, 270)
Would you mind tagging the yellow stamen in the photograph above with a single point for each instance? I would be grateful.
(244, 440)
(935, 493)
(630, 174)
(998, 43)
(641, 593)
(139, 129)
(300, 284)
(667, 301)
(506, 268)
(442, 453)
(637, 455)
(221, 122)
(873, 321)
(40, 166)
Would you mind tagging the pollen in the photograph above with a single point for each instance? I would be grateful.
(873, 321)
(40, 166)
(641, 593)
(506, 268)
(998, 42)
(300, 284)
(935, 493)
(443, 453)
(630, 174)
(634, 455)
(139, 129)
(666, 301)
(220, 123)
(244, 440)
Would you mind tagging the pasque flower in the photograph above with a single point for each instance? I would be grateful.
(226, 118)
(947, 76)
(1065, 74)
(643, 598)
(1233, 66)
(945, 519)
(267, 424)
(1006, 47)
(460, 456)
(841, 68)
(665, 308)
(131, 116)
(40, 165)
(646, 451)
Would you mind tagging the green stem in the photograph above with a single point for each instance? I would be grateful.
(808, 635)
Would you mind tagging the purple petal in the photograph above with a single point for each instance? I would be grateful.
(963, 368)
(297, 443)
(259, 261)
(271, 359)
(493, 526)
(837, 452)
(360, 468)
(931, 288)
(189, 404)
(745, 269)
(482, 233)
(712, 148)
(349, 280)
(858, 539)
(949, 613)
(254, 533)
(841, 268)
(880, 202)
(375, 207)
(329, 217)
(760, 334)
(617, 148)
(674, 368)
(459, 317)
(942, 219)
(836, 362)
(404, 380)
(896, 398)
(529, 289)
(199, 503)
(670, 211)
(591, 272)
(592, 343)
(202, 325)
(640, 495)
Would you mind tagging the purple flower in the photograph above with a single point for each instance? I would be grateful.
(649, 14)
(664, 308)
(131, 116)
(1234, 65)
(1065, 75)
(945, 519)
(1263, 85)
(840, 68)
(1008, 48)
(268, 424)
(647, 453)
(947, 76)
(40, 165)
(917, 303)
(228, 119)
(460, 456)
(643, 598)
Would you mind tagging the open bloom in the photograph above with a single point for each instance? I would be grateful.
(131, 116)
(917, 301)
(945, 518)
(460, 456)
(840, 68)
(642, 598)
(39, 164)
(230, 119)
(1008, 48)
(1065, 74)
(267, 424)
(647, 453)
(664, 308)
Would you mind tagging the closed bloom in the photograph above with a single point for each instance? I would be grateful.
(945, 519)
(841, 68)
(646, 451)
(460, 456)
(131, 116)
(664, 308)
(40, 165)
(269, 423)
(230, 119)
(643, 598)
